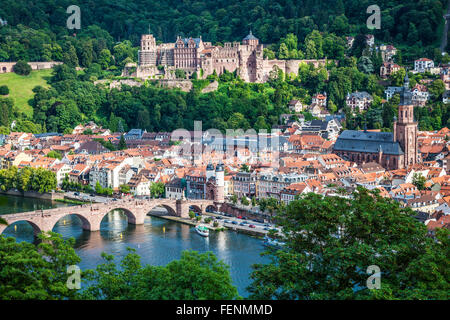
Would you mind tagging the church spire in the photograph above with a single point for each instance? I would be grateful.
(406, 94)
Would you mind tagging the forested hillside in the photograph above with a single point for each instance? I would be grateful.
(408, 22)
(302, 29)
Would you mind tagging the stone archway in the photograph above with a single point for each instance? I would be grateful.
(170, 210)
(36, 229)
(85, 223)
(211, 208)
(131, 217)
(196, 208)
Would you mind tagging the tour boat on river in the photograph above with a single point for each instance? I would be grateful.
(270, 242)
(202, 230)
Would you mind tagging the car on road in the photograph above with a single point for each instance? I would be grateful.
(234, 222)
(252, 226)
(76, 194)
(226, 221)
(92, 195)
(219, 218)
(239, 217)
(244, 218)
(266, 229)
(242, 224)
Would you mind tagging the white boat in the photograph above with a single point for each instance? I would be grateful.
(269, 242)
(202, 230)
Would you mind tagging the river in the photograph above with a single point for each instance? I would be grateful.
(157, 241)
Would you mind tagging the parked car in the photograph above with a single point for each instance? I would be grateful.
(242, 224)
(92, 195)
(239, 217)
(234, 222)
(244, 218)
(266, 229)
(252, 226)
(76, 194)
(219, 218)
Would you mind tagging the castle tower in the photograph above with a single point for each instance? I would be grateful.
(220, 182)
(250, 39)
(405, 129)
(147, 53)
(209, 171)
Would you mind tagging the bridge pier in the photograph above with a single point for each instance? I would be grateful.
(137, 219)
(94, 225)
(182, 208)
(2, 228)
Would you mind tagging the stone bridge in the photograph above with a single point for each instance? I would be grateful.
(91, 215)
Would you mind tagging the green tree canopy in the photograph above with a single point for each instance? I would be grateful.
(331, 241)
(196, 276)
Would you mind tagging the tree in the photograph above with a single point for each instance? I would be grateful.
(234, 199)
(3, 222)
(332, 240)
(42, 180)
(6, 106)
(36, 272)
(437, 89)
(22, 68)
(105, 58)
(191, 214)
(180, 74)
(419, 181)
(4, 90)
(195, 276)
(365, 65)
(122, 143)
(157, 189)
(54, 154)
(244, 201)
(124, 188)
(397, 78)
(98, 188)
(244, 168)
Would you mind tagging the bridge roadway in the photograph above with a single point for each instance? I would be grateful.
(91, 215)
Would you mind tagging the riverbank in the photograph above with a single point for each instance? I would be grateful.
(236, 228)
(70, 201)
(33, 194)
(187, 221)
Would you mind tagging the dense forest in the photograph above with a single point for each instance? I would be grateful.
(109, 39)
(411, 23)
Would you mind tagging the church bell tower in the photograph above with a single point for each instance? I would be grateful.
(405, 130)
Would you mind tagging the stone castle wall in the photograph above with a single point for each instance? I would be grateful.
(6, 67)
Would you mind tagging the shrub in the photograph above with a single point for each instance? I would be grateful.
(22, 68)
(4, 90)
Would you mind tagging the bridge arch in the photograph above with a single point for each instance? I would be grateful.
(170, 210)
(36, 229)
(131, 217)
(85, 223)
(196, 208)
(211, 208)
